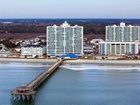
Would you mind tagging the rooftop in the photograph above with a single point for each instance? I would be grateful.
(122, 24)
(65, 24)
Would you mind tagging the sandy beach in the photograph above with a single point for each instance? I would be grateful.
(78, 61)
(103, 61)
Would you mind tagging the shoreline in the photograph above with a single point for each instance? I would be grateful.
(80, 61)
(77, 61)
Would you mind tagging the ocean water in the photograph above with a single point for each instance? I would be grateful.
(83, 84)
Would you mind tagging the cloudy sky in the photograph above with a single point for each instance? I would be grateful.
(69, 8)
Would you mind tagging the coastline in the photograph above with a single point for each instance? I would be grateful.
(80, 61)
(77, 61)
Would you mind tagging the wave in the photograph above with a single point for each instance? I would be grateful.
(101, 67)
(22, 65)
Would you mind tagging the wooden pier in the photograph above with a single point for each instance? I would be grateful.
(27, 92)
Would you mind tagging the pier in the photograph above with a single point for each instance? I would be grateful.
(28, 92)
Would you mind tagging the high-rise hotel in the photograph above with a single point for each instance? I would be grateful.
(120, 40)
(64, 39)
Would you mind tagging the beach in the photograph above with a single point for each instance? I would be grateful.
(81, 61)
(77, 61)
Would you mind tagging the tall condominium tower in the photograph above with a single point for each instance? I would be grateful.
(120, 40)
(122, 33)
(64, 39)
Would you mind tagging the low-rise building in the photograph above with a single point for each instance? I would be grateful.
(88, 49)
(33, 51)
(4, 52)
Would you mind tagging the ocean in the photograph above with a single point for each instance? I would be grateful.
(74, 84)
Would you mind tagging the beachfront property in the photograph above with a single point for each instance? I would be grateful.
(119, 48)
(120, 40)
(122, 33)
(64, 39)
(33, 51)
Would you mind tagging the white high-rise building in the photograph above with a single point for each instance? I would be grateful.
(120, 40)
(64, 39)
(122, 33)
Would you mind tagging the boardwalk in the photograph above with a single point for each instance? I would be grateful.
(28, 92)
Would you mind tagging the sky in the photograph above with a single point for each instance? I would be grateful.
(69, 8)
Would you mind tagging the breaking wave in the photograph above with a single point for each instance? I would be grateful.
(23, 65)
(101, 67)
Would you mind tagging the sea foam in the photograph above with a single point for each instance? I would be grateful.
(101, 67)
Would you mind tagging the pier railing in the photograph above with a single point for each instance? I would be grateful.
(28, 92)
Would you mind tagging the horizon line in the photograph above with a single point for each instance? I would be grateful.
(66, 18)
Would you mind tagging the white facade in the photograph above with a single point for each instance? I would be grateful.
(32, 51)
(64, 39)
(122, 33)
(120, 40)
(118, 48)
